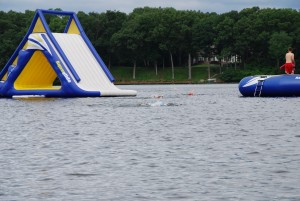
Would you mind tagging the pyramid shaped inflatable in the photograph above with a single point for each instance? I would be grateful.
(57, 64)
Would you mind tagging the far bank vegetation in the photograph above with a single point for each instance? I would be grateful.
(163, 40)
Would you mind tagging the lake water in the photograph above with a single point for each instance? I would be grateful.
(161, 145)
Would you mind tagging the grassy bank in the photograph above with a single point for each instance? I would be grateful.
(147, 75)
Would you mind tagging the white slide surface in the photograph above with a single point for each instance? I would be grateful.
(93, 77)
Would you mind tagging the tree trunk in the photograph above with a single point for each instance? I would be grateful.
(221, 65)
(208, 69)
(155, 65)
(235, 57)
(134, 69)
(172, 65)
(190, 66)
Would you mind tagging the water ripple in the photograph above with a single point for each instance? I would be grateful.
(164, 144)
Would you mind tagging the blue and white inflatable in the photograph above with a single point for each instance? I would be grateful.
(48, 64)
(270, 85)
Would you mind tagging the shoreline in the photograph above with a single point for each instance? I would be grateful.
(165, 82)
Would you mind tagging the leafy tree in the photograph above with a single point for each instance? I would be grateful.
(226, 32)
(279, 43)
(204, 36)
(129, 40)
(167, 31)
(12, 32)
(186, 22)
(110, 23)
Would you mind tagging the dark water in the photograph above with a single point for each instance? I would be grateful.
(212, 145)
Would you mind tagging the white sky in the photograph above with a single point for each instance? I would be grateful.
(127, 6)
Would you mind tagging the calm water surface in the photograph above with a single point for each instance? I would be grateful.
(212, 145)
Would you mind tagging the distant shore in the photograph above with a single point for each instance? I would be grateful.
(166, 82)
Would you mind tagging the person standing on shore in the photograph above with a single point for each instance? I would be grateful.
(289, 65)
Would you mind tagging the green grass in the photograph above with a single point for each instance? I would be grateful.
(230, 74)
(144, 74)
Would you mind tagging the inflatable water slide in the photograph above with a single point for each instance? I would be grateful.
(57, 64)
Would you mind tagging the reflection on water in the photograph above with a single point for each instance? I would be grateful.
(171, 142)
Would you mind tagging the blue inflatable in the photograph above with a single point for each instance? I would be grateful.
(270, 85)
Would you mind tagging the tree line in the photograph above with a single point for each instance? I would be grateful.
(166, 37)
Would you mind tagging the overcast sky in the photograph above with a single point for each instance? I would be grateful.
(127, 6)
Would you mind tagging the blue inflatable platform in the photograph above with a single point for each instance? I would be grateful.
(270, 86)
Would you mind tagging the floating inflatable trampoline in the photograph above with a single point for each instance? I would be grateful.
(57, 64)
(270, 85)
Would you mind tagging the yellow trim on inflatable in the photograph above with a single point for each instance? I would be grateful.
(37, 74)
(39, 27)
(15, 61)
(25, 46)
(73, 28)
(4, 77)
